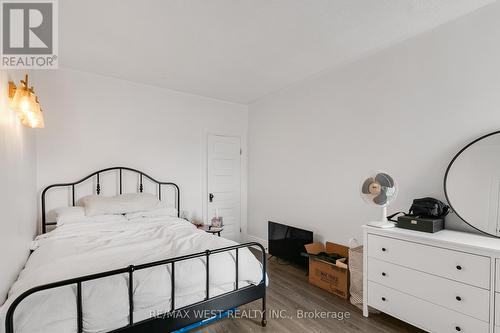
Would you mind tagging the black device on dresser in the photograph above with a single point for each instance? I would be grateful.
(425, 214)
(420, 224)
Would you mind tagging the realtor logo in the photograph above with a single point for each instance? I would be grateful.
(29, 34)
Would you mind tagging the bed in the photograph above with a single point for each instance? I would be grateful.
(135, 272)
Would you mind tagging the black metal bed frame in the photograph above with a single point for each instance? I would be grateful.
(97, 174)
(176, 318)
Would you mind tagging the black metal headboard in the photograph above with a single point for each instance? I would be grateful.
(98, 189)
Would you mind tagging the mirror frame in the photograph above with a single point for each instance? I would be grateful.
(446, 178)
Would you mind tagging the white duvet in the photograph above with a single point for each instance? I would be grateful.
(78, 249)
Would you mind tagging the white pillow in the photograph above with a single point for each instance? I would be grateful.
(158, 212)
(91, 219)
(119, 204)
(73, 211)
(67, 215)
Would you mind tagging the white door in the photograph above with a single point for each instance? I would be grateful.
(224, 183)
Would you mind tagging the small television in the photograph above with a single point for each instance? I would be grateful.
(288, 242)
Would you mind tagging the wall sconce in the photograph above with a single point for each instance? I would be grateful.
(24, 101)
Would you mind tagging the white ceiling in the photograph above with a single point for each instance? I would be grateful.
(237, 50)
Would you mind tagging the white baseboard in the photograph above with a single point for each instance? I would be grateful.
(251, 238)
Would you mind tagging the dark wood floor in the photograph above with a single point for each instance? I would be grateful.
(289, 290)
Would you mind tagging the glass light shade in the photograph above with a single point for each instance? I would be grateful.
(27, 108)
(26, 105)
(22, 102)
(34, 117)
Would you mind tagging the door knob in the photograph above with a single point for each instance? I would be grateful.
(210, 197)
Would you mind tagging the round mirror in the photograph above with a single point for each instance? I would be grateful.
(472, 184)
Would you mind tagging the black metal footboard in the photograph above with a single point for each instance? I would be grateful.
(176, 318)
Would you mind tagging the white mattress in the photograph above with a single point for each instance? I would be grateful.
(85, 248)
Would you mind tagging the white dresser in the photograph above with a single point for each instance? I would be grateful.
(443, 282)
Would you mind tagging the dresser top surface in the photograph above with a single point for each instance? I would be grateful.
(450, 237)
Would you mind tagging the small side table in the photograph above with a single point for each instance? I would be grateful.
(212, 230)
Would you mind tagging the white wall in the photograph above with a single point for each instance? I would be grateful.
(93, 122)
(18, 191)
(407, 110)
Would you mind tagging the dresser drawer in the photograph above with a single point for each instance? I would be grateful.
(463, 267)
(426, 315)
(460, 297)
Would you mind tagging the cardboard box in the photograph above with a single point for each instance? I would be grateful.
(333, 277)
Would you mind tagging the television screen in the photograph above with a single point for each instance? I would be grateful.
(288, 242)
